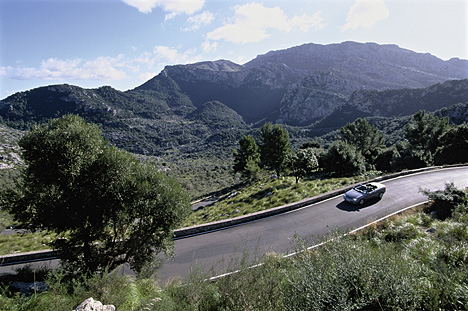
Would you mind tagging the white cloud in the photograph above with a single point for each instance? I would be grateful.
(252, 22)
(366, 13)
(209, 47)
(101, 68)
(174, 7)
(120, 68)
(199, 20)
(170, 55)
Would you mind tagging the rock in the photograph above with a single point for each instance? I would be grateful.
(92, 305)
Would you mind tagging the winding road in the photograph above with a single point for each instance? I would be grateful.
(276, 234)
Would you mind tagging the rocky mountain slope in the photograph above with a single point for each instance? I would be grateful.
(397, 103)
(209, 104)
(371, 65)
(302, 84)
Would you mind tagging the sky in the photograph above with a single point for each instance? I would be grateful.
(123, 43)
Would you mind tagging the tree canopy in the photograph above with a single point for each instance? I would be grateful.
(344, 159)
(453, 146)
(424, 131)
(302, 163)
(274, 146)
(365, 137)
(247, 157)
(111, 208)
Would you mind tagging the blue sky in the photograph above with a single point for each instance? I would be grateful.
(123, 43)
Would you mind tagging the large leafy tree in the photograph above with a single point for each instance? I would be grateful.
(247, 157)
(274, 147)
(302, 163)
(424, 131)
(111, 208)
(453, 146)
(344, 159)
(365, 137)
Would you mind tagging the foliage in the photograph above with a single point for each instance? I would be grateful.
(386, 159)
(343, 159)
(274, 146)
(353, 275)
(268, 193)
(247, 158)
(448, 200)
(25, 242)
(424, 131)
(122, 291)
(111, 208)
(453, 147)
(365, 137)
(311, 144)
(396, 265)
(302, 163)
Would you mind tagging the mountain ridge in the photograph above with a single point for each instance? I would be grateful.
(185, 105)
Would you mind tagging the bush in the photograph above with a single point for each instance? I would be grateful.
(353, 275)
(448, 200)
(344, 159)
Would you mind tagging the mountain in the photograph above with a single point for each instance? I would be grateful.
(303, 84)
(135, 121)
(252, 92)
(368, 65)
(397, 103)
(209, 105)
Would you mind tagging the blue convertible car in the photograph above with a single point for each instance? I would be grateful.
(362, 193)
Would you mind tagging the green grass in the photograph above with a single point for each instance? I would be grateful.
(266, 194)
(24, 242)
(260, 196)
(365, 271)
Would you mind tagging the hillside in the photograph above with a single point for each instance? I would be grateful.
(208, 106)
(397, 103)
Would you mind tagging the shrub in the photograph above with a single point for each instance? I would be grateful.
(344, 159)
(353, 275)
(448, 200)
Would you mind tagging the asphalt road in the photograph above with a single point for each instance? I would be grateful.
(276, 234)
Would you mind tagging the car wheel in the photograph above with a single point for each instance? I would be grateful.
(380, 195)
(361, 202)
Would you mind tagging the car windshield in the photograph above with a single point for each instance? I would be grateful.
(361, 188)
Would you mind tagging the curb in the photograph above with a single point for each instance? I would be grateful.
(13, 259)
(227, 223)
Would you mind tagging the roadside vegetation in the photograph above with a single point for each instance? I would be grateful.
(415, 261)
(268, 193)
(408, 263)
(262, 178)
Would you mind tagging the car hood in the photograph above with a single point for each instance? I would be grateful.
(354, 194)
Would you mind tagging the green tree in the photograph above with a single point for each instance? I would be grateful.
(111, 208)
(407, 157)
(385, 161)
(453, 146)
(365, 137)
(344, 159)
(302, 163)
(424, 131)
(247, 157)
(274, 146)
(311, 144)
